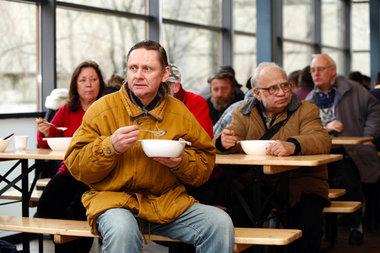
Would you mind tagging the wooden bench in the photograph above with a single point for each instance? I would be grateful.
(331, 225)
(42, 182)
(343, 207)
(16, 195)
(67, 230)
(336, 193)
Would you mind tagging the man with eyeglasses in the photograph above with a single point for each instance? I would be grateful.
(347, 109)
(277, 114)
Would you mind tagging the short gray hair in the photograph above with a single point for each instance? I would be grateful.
(331, 60)
(259, 68)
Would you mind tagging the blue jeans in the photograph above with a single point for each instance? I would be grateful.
(209, 228)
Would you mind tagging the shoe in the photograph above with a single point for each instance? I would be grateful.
(356, 237)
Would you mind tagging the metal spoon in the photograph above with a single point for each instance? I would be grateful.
(59, 128)
(155, 133)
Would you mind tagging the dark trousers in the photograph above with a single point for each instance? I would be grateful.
(371, 193)
(61, 199)
(307, 216)
(344, 174)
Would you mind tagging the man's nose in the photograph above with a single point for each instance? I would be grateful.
(280, 92)
(139, 73)
(219, 93)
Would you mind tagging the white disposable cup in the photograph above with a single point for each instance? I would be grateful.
(21, 142)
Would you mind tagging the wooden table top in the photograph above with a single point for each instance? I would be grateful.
(350, 140)
(277, 164)
(38, 154)
(272, 164)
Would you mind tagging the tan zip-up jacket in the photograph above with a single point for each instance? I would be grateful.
(132, 180)
(304, 126)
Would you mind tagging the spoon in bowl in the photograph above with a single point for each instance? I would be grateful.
(59, 128)
(155, 133)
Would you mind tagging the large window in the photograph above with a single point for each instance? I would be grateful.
(105, 39)
(244, 14)
(18, 57)
(193, 51)
(199, 36)
(296, 56)
(298, 34)
(360, 37)
(135, 6)
(333, 32)
(191, 38)
(333, 27)
(206, 12)
(244, 58)
(244, 19)
(298, 20)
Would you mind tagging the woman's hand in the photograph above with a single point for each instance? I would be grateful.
(43, 126)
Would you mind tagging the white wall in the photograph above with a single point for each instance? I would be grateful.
(23, 126)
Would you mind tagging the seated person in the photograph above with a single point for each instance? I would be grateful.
(205, 91)
(299, 132)
(347, 109)
(305, 83)
(61, 199)
(56, 99)
(226, 117)
(114, 83)
(196, 104)
(131, 192)
(223, 94)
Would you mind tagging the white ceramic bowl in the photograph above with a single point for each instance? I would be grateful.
(255, 147)
(162, 148)
(58, 143)
(4, 144)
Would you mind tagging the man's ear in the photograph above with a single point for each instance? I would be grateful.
(166, 74)
(257, 93)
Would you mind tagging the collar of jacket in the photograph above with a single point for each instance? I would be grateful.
(181, 94)
(135, 111)
(252, 103)
(342, 86)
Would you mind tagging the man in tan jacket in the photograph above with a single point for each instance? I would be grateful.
(300, 132)
(131, 192)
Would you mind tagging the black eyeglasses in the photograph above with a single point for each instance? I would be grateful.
(274, 89)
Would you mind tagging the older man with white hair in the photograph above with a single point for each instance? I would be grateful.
(347, 109)
(277, 114)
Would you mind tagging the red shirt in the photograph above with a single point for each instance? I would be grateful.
(63, 118)
(197, 105)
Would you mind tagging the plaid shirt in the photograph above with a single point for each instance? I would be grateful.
(226, 117)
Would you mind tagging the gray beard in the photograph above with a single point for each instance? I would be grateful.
(222, 104)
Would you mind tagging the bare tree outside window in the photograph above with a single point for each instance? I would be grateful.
(104, 39)
(18, 62)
